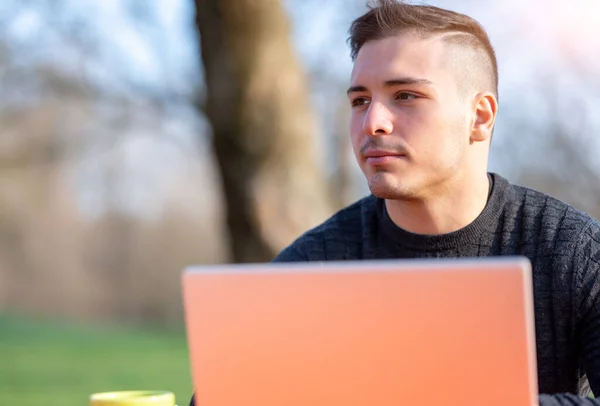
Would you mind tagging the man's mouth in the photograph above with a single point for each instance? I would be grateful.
(379, 157)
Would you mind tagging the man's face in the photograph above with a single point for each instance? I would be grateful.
(410, 121)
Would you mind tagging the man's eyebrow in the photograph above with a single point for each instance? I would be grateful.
(408, 81)
(355, 89)
(393, 82)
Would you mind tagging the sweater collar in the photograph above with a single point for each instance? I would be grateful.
(486, 222)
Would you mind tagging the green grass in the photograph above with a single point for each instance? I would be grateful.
(56, 364)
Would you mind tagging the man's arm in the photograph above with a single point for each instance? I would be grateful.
(587, 302)
(567, 400)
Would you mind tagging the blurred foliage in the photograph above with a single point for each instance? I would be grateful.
(106, 189)
(109, 184)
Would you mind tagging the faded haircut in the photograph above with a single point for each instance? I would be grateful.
(386, 18)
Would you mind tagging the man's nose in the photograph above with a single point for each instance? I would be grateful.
(377, 120)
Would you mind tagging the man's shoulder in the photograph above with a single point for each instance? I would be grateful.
(339, 232)
(551, 212)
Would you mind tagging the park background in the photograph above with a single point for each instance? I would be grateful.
(141, 136)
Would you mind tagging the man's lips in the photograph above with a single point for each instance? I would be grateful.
(378, 157)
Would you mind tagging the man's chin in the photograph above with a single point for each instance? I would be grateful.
(384, 188)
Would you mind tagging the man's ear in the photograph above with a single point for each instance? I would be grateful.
(485, 110)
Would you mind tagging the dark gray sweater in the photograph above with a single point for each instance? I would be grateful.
(563, 245)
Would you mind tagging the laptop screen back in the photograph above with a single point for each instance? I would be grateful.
(456, 332)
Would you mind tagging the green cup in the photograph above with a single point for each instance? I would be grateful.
(133, 398)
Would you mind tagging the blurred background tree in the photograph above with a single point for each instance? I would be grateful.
(263, 126)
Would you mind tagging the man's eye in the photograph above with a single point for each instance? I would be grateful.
(360, 101)
(405, 96)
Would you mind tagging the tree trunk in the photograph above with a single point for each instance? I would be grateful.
(263, 128)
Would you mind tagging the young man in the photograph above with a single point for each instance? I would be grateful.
(424, 100)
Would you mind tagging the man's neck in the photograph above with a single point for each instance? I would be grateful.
(443, 213)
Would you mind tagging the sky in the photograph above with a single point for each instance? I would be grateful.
(546, 48)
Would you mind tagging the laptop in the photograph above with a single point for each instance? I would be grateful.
(389, 332)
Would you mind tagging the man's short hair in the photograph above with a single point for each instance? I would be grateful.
(387, 18)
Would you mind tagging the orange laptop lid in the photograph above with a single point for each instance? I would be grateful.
(403, 332)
